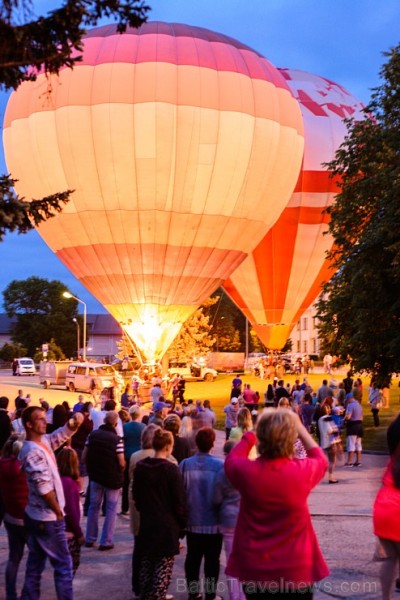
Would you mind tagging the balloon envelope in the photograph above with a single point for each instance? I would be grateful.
(283, 275)
(183, 147)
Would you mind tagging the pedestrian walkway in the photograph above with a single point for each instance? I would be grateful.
(341, 515)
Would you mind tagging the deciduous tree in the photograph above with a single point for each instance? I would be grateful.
(41, 314)
(194, 339)
(360, 308)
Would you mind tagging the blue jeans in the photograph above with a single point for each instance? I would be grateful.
(47, 539)
(97, 493)
(16, 544)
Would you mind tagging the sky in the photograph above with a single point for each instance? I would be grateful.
(341, 40)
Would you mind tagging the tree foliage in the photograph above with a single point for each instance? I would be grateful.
(229, 326)
(10, 351)
(360, 308)
(54, 353)
(17, 214)
(29, 43)
(41, 314)
(194, 339)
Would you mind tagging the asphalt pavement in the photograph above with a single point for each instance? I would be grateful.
(341, 514)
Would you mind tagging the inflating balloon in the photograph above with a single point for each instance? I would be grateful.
(283, 275)
(183, 147)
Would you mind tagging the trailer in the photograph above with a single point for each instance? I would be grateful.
(53, 372)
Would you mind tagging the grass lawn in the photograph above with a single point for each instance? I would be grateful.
(218, 392)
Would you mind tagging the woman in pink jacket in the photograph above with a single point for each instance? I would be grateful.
(275, 549)
(387, 524)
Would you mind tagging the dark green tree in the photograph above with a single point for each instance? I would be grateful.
(28, 43)
(10, 351)
(229, 326)
(17, 214)
(41, 314)
(54, 353)
(360, 308)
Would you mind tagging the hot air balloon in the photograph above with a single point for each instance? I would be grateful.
(283, 275)
(183, 147)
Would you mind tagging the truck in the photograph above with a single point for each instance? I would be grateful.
(53, 372)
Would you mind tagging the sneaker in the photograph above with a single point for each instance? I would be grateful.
(169, 597)
(349, 465)
(357, 464)
(333, 481)
(103, 548)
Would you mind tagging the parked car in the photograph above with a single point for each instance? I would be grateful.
(84, 376)
(53, 372)
(192, 371)
(25, 366)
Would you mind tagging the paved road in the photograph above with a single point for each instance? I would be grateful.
(341, 515)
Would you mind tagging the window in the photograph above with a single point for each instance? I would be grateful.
(305, 323)
(305, 347)
(314, 345)
(298, 325)
(298, 345)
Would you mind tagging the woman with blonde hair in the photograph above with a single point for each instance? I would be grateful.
(186, 432)
(274, 519)
(244, 423)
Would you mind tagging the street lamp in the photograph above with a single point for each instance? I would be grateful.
(78, 336)
(69, 295)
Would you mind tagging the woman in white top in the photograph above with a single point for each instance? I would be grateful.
(329, 440)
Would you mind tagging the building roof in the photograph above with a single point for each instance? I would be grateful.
(103, 325)
(97, 324)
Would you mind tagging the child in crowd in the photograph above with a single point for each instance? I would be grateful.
(68, 466)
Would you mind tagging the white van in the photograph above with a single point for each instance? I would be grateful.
(25, 366)
(83, 376)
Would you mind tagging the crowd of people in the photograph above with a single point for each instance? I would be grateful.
(157, 467)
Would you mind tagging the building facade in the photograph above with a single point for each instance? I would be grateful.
(103, 333)
(305, 334)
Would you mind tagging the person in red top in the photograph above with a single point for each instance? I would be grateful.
(275, 548)
(250, 397)
(386, 517)
(14, 493)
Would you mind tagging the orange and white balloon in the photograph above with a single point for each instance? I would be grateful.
(183, 147)
(283, 275)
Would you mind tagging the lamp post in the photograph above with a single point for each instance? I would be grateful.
(78, 336)
(69, 295)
